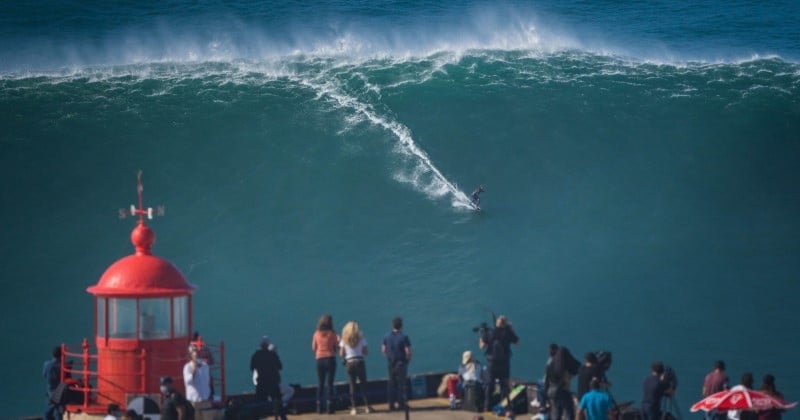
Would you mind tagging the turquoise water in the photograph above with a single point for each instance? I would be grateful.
(641, 177)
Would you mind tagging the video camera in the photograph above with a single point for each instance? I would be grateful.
(670, 378)
(481, 329)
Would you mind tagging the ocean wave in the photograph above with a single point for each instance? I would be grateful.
(458, 33)
(562, 66)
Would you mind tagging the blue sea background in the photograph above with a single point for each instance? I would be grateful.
(640, 162)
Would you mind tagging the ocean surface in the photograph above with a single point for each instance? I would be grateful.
(641, 164)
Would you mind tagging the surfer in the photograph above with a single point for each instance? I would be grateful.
(476, 199)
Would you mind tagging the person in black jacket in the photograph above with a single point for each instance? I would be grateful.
(175, 406)
(589, 370)
(267, 365)
(51, 371)
(497, 345)
(654, 388)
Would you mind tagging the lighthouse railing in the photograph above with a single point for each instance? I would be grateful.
(84, 380)
(79, 370)
(223, 394)
(78, 379)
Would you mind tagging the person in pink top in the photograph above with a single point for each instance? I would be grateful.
(325, 345)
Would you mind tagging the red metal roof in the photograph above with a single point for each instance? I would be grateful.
(142, 274)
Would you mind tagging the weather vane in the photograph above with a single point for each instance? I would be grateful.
(141, 211)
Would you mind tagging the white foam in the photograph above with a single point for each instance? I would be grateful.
(421, 173)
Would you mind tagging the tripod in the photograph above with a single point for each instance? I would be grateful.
(669, 408)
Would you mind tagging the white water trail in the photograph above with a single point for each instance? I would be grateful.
(423, 175)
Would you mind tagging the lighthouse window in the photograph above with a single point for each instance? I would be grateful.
(121, 318)
(101, 317)
(154, 318)
(180, 315)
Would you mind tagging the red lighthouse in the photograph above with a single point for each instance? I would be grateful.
(143, 319)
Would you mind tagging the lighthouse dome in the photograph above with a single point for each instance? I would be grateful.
(142, 274)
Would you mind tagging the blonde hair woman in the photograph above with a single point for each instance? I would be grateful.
(353, 348)
(325, 344)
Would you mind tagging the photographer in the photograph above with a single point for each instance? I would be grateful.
(497, 346)
(659, 384)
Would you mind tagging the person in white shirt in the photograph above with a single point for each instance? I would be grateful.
(197, 379)
(353, 348)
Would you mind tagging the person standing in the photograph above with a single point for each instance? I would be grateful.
(715, 381)
(325, 344)
(266, 367)
(589, 370)
(197, 381)
(497, 345)
(476, 196)
(746, 383)
(397, 348)
(51, 371)
(768, 387)
(353, 348)
(560, 368)
(175, 406)
(595, 404)
(653, 390)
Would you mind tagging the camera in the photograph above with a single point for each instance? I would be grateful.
(481, 328)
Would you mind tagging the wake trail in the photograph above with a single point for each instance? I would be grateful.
(422, 174)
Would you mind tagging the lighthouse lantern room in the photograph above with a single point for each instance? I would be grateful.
(143, 319)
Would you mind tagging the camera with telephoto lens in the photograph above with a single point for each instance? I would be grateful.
(481, 329)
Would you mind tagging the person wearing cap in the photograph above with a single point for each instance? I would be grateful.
(197, 380)
(471, 369)
(471, 376)
(203, 350)
(595, 404)
(175, 406)
(287, 391)
(267, 368)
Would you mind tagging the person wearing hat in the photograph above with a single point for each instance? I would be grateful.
(471, 369)
(471, 375)
(175, 406)
(267, 369)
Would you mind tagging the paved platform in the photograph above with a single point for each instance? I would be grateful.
(422, 409)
